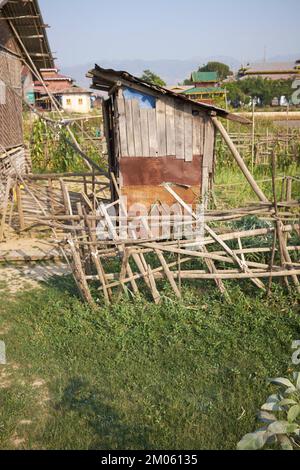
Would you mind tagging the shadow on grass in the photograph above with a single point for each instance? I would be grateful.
(106, 424)
(64, 284)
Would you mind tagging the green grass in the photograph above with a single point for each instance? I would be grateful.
(185, 374)
(233, 190)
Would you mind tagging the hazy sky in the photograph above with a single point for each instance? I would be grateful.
(89, 30)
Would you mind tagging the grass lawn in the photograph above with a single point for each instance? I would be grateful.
(187, 374)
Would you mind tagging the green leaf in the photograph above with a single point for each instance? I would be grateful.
(287, 402)
(293, 413)
(297, 379)
(283, 382)
(254, 441)
(282, 427)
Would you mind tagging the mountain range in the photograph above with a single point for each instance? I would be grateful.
(172, 71)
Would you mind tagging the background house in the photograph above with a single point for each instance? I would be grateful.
(70, 97)
(76, 100)
(271, 70)
(206, 88)
(21, 24)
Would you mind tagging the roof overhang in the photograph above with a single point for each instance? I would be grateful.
(26, 18)
(107, 79)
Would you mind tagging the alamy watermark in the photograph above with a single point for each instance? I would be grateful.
(2, 353)
(161, 222)
(296, 354)
(296, 94)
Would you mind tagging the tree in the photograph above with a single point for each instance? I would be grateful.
(151, 77)
(223, 70)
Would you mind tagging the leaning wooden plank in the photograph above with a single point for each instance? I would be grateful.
(5, 204)
(20, 207)
(179, 130)
(188, 133)
(161, 127)
(239, 160)
(163, 262)
(153, 143)
(129, 127)
(145, 132)
(136, 119)
(79, 274)
(122, 127)
(170, 127)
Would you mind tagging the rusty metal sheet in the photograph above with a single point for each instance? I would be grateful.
(141, 171)
(150, 195)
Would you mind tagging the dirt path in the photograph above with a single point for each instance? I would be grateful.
(16, 275)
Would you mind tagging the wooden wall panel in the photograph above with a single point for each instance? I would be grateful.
(209, 145)
(122, 127)
(129, 127)
(153, 143)
(136, 120)
(161, 127)
(188, 133)
(170, 127)
(179, 130)
(145, 132)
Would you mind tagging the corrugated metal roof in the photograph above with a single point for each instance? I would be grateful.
(106, 79)
(27, 19)
(204, 77)
(211, 89)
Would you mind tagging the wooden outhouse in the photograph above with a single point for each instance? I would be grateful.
(156, 136)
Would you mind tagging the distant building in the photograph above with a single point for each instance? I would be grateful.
(271, 70)
(70, 97)
(204, 88)
(76, 100)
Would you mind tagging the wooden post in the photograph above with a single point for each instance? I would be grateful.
(5, 207)
(239, 160)
(253, 135)
(20, 207)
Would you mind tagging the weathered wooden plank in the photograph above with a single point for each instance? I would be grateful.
(136, 119)
(196, 135)
(145, 133)
(170, 127)
(202, 119)
(209, 145)
(122, 127)
(153, 144)
(161, 127)
(179, 130)
(188, 133)
(129, 127)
